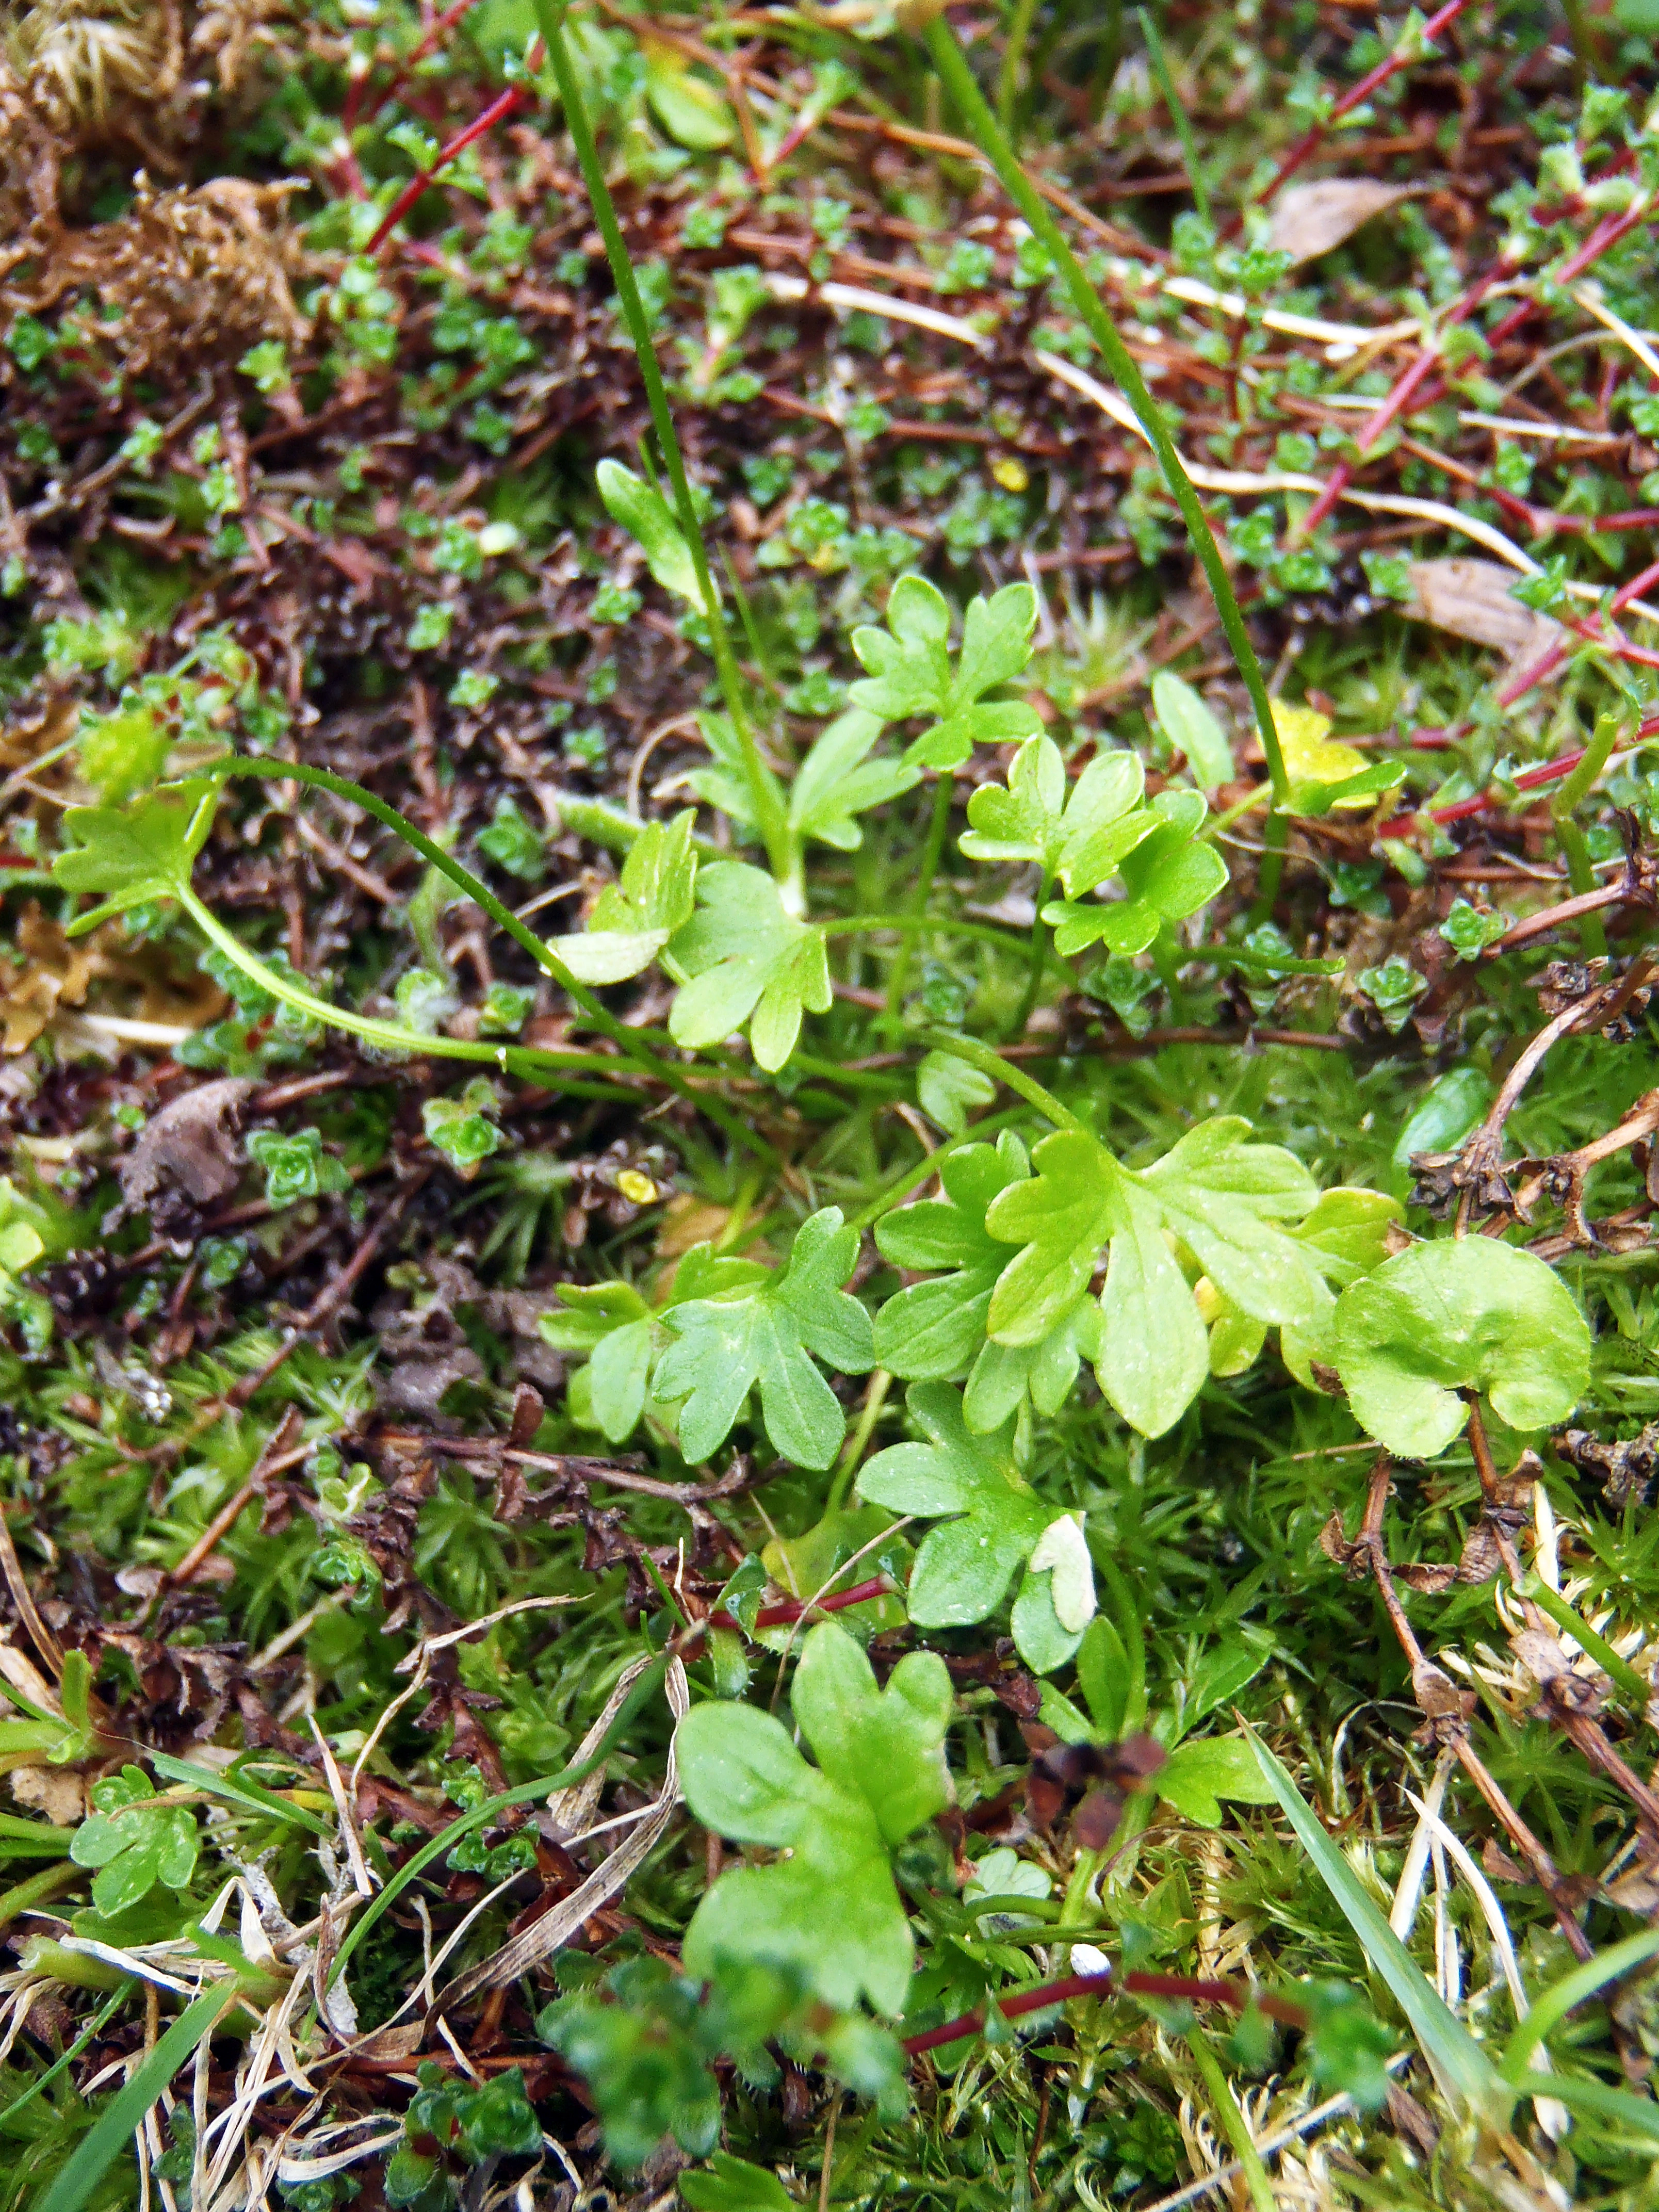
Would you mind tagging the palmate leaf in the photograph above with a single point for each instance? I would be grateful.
(991, 1525)
(136, 853)
(634, 919)
(829, 1906)
(910, 670)
(1080, 835)
(936, 1331)
(1167, 875)
(762, 1335)
(1222, 1199)
(748, 961)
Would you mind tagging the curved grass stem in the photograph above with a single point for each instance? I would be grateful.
(765, 796)
(637, 1053)
(959, 81)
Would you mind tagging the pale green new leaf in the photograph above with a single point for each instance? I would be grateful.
(748, 961)
(762, 1335)
(1192, 728)
(634, 919)
(838, 780)
(136, 853)
(1154, 1353)
(910, 672)
(828, 1907)
(1080, 835)
(644, 514)
(1167, 876)
(1457, 1315)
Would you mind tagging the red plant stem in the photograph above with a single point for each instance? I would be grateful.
(1405, 389)
(1521, 683)
(1461, 810)
(1305, 148)
(1195, 1991)
(788, 1610)
(500, 108)
(1607, 232)
(434, 37)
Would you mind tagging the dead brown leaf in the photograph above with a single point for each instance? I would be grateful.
(56, 1791)
(1471, 599)
(55, 972)
(190, 1146)
(1308, 219)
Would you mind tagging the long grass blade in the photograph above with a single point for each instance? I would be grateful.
(125, 2111)
(1465, 2073)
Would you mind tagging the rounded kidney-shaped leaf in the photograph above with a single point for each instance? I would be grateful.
(1465, 1314)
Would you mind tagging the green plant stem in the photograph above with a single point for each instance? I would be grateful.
(1038, 956)
(100, 2019)
(1275, 835)
(1232, 2120)
(386, 1034)
(767, 799)
(1213, 830)
(858, 1435)
(637, 1051)
(1013, 64)
(1178, 114)
(899, 975)
(1003, 1071)
(1634, 1685)
(959, 81)
(38, 1889)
